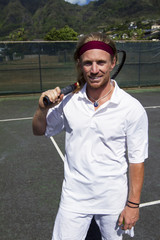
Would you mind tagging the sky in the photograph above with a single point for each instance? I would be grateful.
(80, 2)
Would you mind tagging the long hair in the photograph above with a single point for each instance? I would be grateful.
(87, 38)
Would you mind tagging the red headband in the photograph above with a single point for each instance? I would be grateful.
(95, 45)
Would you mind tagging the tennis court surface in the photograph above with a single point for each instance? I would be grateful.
(31, 173)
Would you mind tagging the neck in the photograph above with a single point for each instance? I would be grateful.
(97, 93)
(97, 101)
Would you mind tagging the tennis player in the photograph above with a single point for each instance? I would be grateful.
(106, 138)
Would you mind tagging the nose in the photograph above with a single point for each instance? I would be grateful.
(94, 68)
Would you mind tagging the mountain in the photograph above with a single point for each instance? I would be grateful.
(57, 14)
(37, 17)
(109, 12)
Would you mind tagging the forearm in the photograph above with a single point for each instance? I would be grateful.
(136, 177)
(130, 214)
(39, 121)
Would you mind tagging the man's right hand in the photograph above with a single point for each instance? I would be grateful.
(54, 96)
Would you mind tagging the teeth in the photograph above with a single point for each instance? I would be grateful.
(94, 77)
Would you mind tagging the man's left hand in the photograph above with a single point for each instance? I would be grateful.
(128, 218)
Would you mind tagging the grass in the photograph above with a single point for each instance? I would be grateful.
(143, 89)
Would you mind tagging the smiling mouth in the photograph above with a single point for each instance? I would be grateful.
(92, 78)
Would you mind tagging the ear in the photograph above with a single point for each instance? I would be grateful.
(79, 64)
(113, 63)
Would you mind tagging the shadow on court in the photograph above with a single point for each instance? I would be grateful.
(31, 174)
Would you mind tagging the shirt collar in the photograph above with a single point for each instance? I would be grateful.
(116, 95)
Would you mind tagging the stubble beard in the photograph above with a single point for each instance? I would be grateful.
(100, 85)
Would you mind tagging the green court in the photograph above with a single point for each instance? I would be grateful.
(31, 172)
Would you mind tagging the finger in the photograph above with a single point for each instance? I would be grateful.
(49, 96)
(130, 226)
(121, 220)
(53, 95)
(61, 97)
(125, 227)
(57, 94)
(57, 89)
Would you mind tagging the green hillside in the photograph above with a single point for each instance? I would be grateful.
(37, 17)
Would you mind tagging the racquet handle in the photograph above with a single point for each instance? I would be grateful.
(64, 91)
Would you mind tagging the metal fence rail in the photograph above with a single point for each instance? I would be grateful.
(29, 67)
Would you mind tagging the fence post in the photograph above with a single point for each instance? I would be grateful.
(40, 73)
(139, 67)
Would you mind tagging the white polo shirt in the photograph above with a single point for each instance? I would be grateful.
(96, 145)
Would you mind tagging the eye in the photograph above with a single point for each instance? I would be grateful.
(101, 62)
(87, 63)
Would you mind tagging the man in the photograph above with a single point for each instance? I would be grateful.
(106, 133)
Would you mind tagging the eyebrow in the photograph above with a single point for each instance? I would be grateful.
(98, 60)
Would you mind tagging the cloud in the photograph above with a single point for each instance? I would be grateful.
(79, 2)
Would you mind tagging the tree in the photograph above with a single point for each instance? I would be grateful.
(63, 34)
(136, 34)
(52, 35)
(67, 33)
(18, 35)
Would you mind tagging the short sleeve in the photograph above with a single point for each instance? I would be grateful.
(137, 139)
(55, 120)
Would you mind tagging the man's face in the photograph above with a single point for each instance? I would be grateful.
(96, 66)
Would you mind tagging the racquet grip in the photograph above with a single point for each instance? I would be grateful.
(64, 91)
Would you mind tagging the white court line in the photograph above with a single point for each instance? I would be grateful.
(57, 148)
(62, 157)
(29, 118)
(15, 119)
(149, 203)
(152, 107)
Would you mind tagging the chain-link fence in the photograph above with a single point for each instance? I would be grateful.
(29, 67)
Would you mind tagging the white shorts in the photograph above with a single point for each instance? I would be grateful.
(74, 226)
